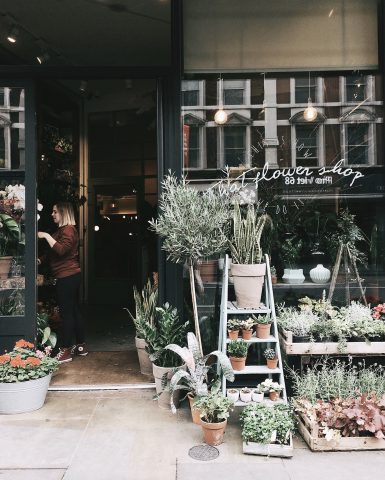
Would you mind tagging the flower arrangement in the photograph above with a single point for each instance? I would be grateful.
(25, 363)
(378, 313)
(12, 199)
(271, 386)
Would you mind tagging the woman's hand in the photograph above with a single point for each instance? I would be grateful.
(41, 235)
(51, 241)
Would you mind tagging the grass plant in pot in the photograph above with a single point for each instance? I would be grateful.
(247, 328)
(215, 410)
(25, 374)
(271, 358)
(237, 351)
(145, 305)
(167, 329)
(291, 251)
(246, 268)
(198, 377)
(193, 226)
(263, 325)
(233, 327)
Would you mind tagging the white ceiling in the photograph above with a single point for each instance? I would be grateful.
(89, 32)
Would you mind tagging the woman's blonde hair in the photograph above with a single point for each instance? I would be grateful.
(66, 211)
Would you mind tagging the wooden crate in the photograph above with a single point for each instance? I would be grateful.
(310, 433)
(269, 450)
(328, 348)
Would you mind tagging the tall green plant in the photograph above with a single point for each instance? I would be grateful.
(145, 307)
(9, 234)
(245, 243)
(192, 225)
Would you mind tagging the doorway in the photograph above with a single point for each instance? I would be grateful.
(116, 137)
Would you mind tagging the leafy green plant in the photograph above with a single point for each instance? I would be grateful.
(300, 323)
(270, 386)
(291, 252)
(195, 379)
(238, 348)
(245, 242)
(9, 235)
(270, 354)
(259, 423)
(214, 407)
(233, 324)
(262, 319)
(166, 329)
(247, 324)
(45, 336)
(145, 308)
(193, 226)
(12, 304)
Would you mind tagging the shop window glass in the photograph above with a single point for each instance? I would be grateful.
(355, 88)
(2, 147)
(234, 146)
(1, 96)
(233, 96)
(306, 146)
(190, 98)
(304, 89)
(191, 146)
(357, 144)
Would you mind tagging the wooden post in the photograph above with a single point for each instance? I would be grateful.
(335, 273)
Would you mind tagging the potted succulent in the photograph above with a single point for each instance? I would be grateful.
(145, 305)
(215, 410)
(232, 394)
(247, 328)
(271, 358)
(25, 374)
(166, 329)
(274, 388)
(247, 269)
(246, 394)
(273, 274)
(263, 325)
(237, 351)
(193, 225)
(194, 379)
(258, 393)
(291, 251)
(233, 326)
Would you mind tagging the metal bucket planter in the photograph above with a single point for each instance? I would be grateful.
(21, 397)
(145, 363)
(248, 283)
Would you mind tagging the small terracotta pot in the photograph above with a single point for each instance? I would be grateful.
(247, 334)
(238, 363)
(195, 412)
(263, 331)
(272, 363)
(274, 279)
(233, 334)
(213, 432)
(274, 396)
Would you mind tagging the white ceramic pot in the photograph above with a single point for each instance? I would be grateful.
(233, 394)
(257, 397)
(320, 274)
(293, 276)
(245, 396)
(145, 363)
(164, 396)
(21, 397)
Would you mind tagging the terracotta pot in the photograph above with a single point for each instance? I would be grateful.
(209, 271)
(213, 432)
(195, 412)
(233, 334)
(5, 267)
(164, 398)
(263, 331)
(274, 396)
(272, 363)
(145, 363)
(274, 279)
(238, 363)
(248, 283)
(247, 334)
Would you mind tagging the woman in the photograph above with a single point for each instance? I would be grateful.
(64, 262)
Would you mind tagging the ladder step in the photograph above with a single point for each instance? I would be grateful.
(271, 339)
(233, 309)
(257, 369)
(266, 401)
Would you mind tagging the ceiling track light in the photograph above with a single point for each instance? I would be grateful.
(43, 58)
(13, 34)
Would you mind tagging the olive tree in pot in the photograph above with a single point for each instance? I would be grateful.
(196, 379)
(215, 410)
(193, 226)
(166, 329)
(145, 304)
(246, 268)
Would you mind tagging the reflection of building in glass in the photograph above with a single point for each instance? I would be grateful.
(266, 121)
(12, 138)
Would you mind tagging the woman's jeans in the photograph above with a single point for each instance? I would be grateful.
(67, 296)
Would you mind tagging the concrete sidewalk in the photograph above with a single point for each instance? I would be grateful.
(124, 435)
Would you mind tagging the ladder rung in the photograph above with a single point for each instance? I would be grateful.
(266, 401)
(271, 339)
(233, 309)
(257, 369)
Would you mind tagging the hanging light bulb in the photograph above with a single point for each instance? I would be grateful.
(310, 113)
(220, 116)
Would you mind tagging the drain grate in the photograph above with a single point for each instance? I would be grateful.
(203, 452)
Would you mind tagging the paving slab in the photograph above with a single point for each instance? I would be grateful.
(37, 474)
(227, 471)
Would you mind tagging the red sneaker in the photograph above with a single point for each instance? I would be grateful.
(64, 355)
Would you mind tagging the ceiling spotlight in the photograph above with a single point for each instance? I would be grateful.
(13, 34)
(43, 58)
(83, 86)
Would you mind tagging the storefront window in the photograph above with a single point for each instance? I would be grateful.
(305, 88)
(357, 144)
(307, 146)
(234, 146)
(355, 88)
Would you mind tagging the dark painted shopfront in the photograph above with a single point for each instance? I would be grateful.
(105, 112)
